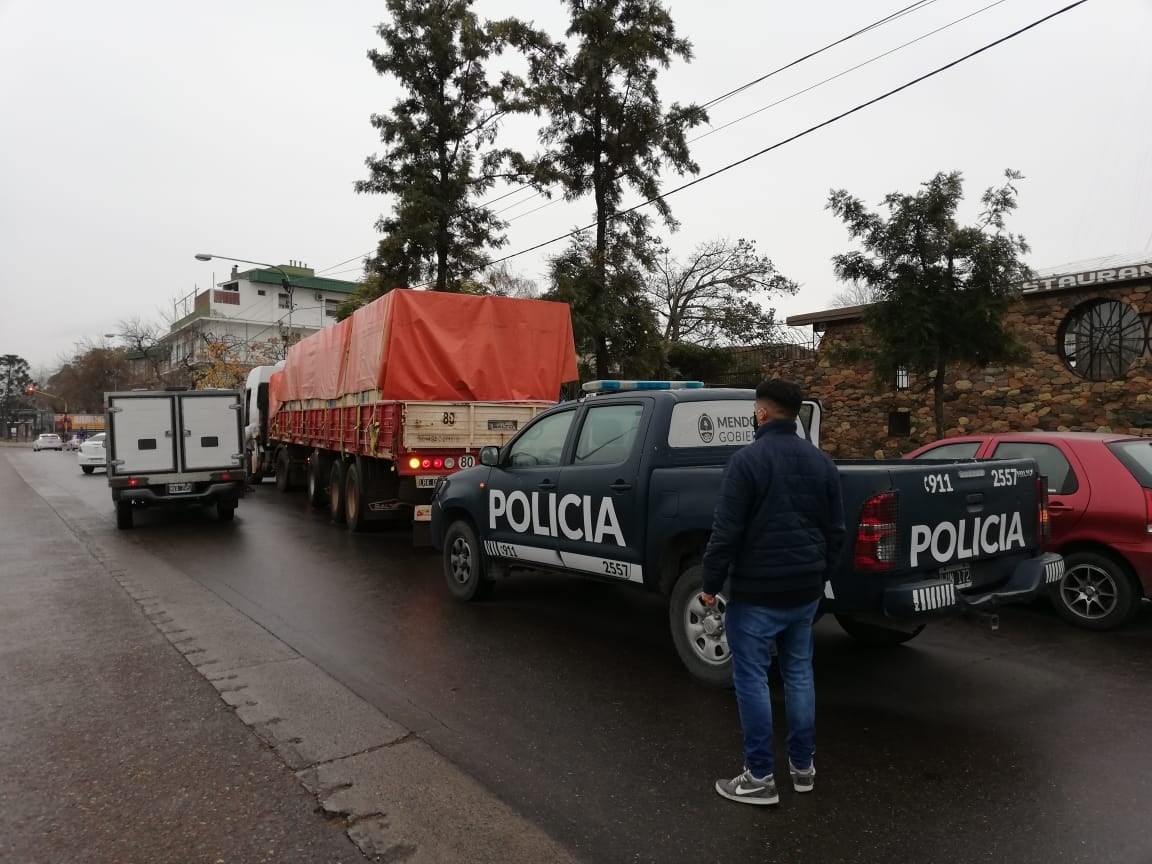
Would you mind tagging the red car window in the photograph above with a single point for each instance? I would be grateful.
(1053, 464)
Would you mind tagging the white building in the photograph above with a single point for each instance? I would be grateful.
(252, 309)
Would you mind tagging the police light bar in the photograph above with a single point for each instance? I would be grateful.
(622, 386)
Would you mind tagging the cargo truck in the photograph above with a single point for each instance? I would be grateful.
(368, 414)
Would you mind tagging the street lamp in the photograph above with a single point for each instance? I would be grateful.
(284, 281)
(33, 390)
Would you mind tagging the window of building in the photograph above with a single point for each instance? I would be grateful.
(543, 442)
(282, 301)
(331, 307)
(608, 434)
(1101, 339)
(261, 292)
(901, 377)
(231, 286)
(1053, 463)
(899, 424)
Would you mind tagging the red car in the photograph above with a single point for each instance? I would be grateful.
(1100, 488)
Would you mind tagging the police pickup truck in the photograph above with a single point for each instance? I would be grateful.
(621, 484)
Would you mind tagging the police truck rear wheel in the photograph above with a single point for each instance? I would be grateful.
(874, 634)
(698, 632)
(464, 566)
(336, 493)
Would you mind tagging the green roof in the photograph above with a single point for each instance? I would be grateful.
(316, 283)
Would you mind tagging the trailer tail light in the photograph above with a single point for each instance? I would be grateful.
(876, 534)
(413, 463)
(1045, 516)
(437, 463)
(425, 463)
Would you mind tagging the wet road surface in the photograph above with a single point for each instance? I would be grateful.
(566, 699)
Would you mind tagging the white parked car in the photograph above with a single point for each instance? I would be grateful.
(47, 441)
(92, 454)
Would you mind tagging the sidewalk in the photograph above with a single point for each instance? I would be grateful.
(113, 748)
(146, 720)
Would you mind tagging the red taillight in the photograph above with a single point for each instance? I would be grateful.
(426, 463)
(437, 463)
(225, 476)
(1045, 517)
(1148, 510)
(133, 481)
(876, 534)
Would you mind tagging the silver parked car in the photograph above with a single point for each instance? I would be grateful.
(47, 441)
(92, 454)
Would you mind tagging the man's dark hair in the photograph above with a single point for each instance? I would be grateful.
(788, 396)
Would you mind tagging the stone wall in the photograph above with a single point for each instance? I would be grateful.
(1044, 394)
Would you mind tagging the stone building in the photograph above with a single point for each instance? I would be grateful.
(1088, 327)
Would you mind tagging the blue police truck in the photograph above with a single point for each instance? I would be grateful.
(621, 484)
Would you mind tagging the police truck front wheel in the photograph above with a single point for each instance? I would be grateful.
(698, 631)
(464, 566)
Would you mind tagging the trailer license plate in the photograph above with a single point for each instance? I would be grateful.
(426, 482)
(960, 574)
(177, 488)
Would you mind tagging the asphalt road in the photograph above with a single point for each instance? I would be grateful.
(566, 699)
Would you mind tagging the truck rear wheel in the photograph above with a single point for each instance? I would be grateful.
(465, 569)
(874, 634)
(124, 515)
(225, 510)
(283, 470)
(355, 501)
(336, 493)
(317, 490)
(698, 632)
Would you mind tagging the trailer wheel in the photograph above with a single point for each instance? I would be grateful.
(465, 568)
(283, 470)
(874, 635)
(354, 499)
(336, 493)
(124, 515)
(698, 632)
(317, 490)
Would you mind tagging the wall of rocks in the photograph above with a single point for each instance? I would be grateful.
(1044, 394)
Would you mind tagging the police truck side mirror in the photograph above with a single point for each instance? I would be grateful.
(490, 456)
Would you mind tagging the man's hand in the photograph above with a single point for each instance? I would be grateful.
(708, 600)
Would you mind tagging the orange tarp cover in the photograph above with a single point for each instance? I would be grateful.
(428, 346)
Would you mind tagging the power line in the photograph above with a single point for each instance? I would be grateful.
(696, 181)
(845, 72)
(900, 13)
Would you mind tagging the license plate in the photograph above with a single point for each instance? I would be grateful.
(177, 488)
(426, 482)
(960, 574)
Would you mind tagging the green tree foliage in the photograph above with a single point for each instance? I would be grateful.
(616, 331)
(942, 290)
(439, 144)
(15, 379)
(607, 133)
(92, 371)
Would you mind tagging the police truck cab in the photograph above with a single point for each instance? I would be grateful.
(621, 484)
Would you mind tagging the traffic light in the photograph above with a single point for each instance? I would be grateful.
(30, 389)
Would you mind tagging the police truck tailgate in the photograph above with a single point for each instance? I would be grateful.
(966, 512)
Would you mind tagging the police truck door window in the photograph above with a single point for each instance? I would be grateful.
(542, 443)
(608, 434)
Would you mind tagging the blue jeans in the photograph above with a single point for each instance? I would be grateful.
(751, 630)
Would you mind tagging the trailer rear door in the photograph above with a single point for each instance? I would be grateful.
(465, 425)
(213, 439)
(142, 435)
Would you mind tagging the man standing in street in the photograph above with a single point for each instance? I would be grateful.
(777, 530)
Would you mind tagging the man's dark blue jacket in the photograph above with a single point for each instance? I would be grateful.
(779, 524)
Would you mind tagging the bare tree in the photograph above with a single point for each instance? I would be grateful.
(856, 294)
(714, 297)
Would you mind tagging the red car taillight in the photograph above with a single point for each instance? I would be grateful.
(1148, 510)
(876, 534)
(1044, 516)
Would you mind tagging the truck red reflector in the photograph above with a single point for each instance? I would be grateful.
(876, 534)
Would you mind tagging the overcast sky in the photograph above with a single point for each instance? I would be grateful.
(137, 133)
